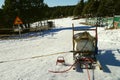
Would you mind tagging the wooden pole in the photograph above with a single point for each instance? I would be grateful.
(73, 37)
(96, 45)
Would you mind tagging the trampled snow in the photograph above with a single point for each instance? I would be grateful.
(23, 58)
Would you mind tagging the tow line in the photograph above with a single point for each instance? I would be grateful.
(34, 57)
(63, 70)
(86, 65)
(87, 71)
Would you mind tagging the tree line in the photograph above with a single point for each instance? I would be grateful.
(98, 8)
(36, 10)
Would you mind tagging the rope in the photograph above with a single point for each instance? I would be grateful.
(63, 70)
(86, 65)
(87, 71)
(85, 59)
(34, 57)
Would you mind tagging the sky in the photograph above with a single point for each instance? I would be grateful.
(52, 3)
(1, 2)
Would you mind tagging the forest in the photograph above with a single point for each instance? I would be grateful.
(36, 10)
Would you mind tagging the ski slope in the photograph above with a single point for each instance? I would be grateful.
(22, 59)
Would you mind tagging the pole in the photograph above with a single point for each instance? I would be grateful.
(19, 30)
(96, 45)
(73, 37)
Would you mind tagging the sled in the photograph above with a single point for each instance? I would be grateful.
(85, 48)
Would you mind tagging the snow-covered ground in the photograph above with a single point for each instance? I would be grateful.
(24, 61)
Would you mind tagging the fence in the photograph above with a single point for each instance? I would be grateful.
(37, 26)
(100, 21)
(117, 21)
(19, 29)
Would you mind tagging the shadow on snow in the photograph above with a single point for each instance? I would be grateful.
(51, 32)
(105, 57)
(108, 57)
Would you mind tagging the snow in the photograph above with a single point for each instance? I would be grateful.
(24, 60)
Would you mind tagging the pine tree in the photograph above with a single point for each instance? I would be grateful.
(117, 7)
(106, 8)
(9, 12)
(85, 10)
(79, 8)
(1, 18)
(27, 10)
(91, 7)
(94, 4)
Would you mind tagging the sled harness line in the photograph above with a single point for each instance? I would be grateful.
(87, 71)
(35, 57)
(86, 65)
(63, 70)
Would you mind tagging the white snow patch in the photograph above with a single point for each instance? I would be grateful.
(59, 40)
